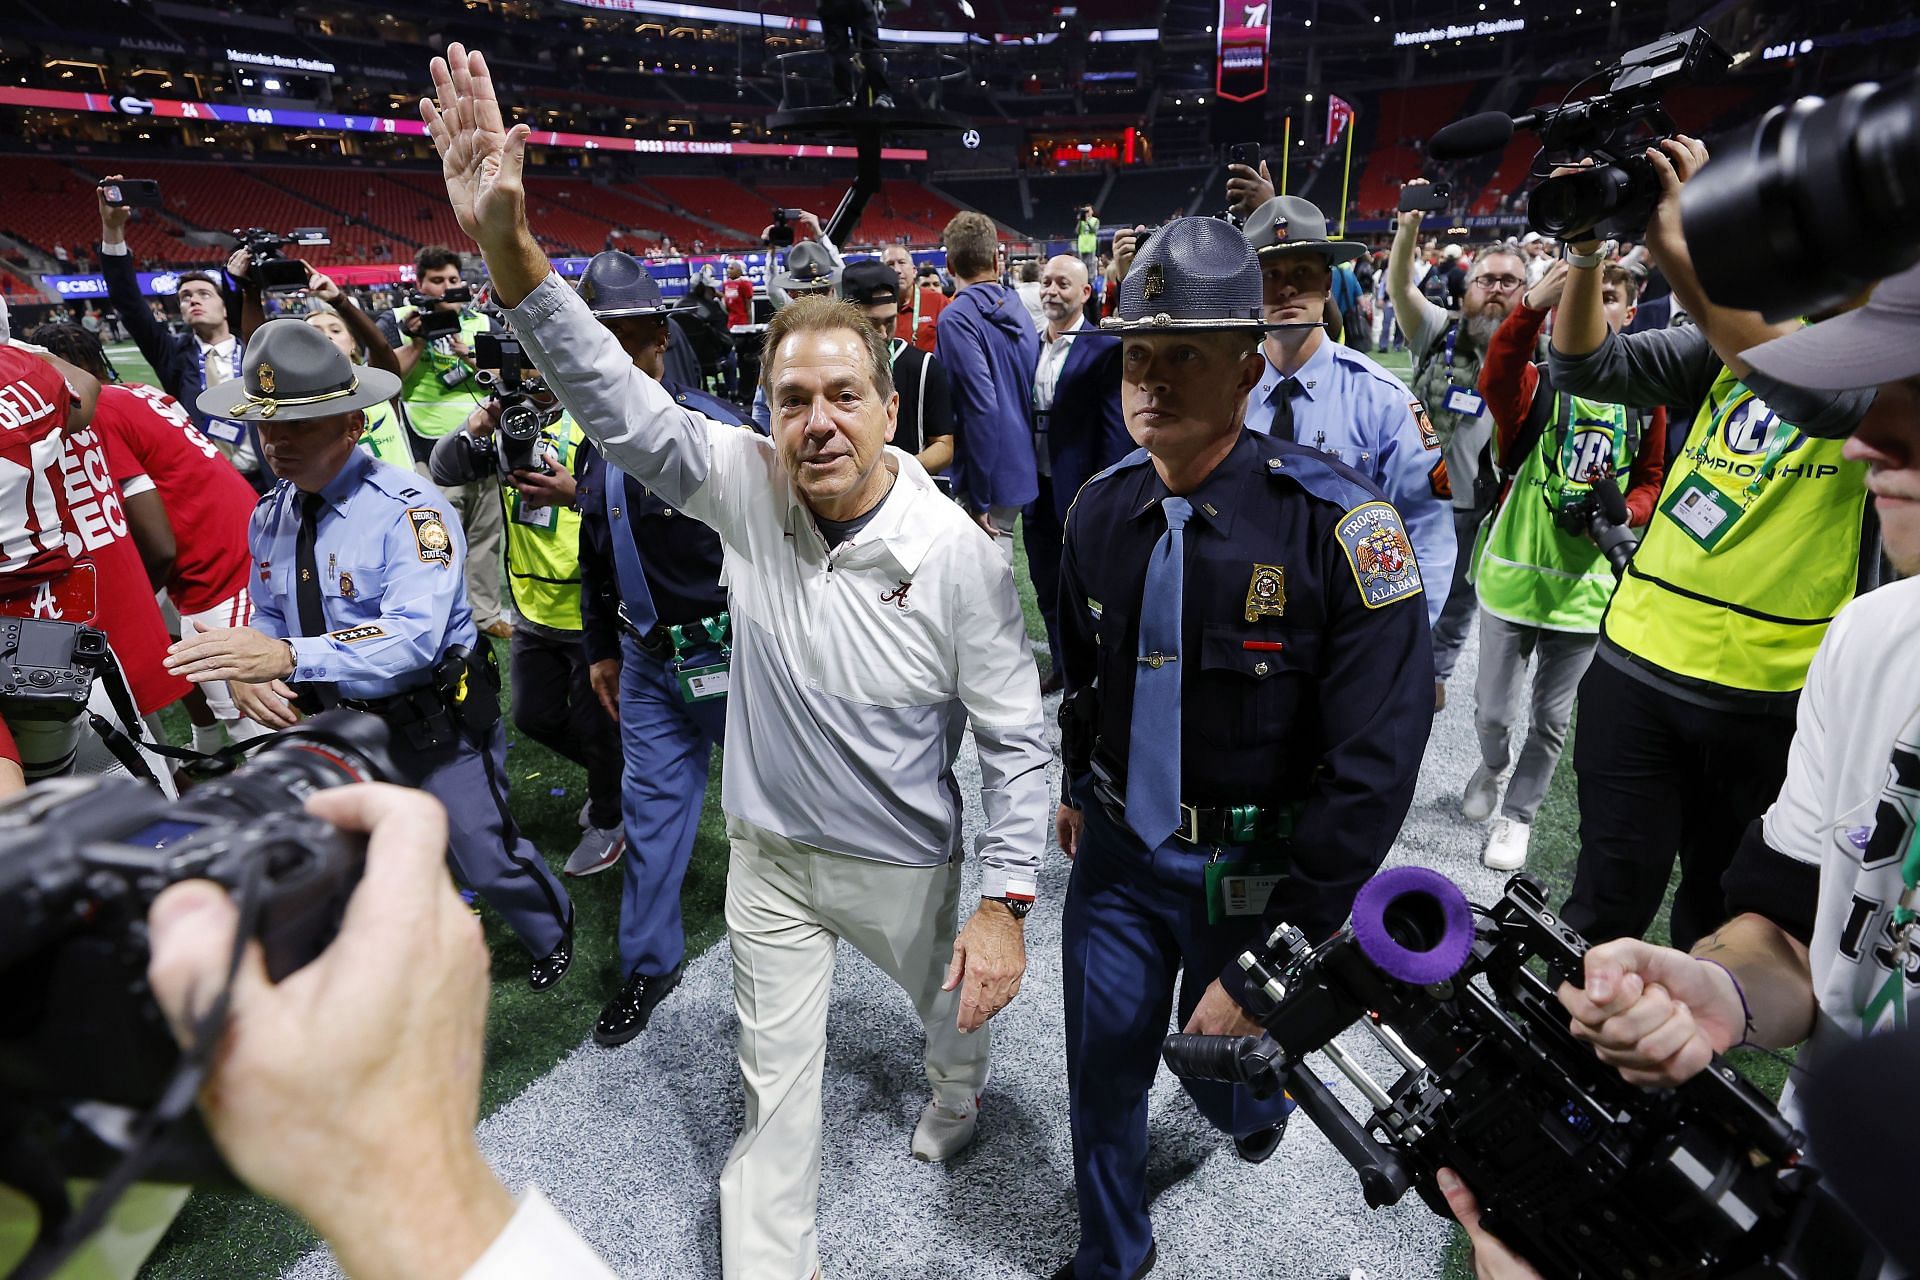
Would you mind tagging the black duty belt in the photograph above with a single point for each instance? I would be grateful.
(1228, 824)
(662, 643)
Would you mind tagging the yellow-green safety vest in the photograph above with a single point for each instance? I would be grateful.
(385, 437)
(434, 408)
(1531, 571)
(543, 545)
(1748, 611)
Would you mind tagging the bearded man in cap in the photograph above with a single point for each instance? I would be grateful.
(1246, 662)
(1317, 392)
(359, 602)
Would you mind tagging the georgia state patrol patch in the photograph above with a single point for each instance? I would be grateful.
(430, 536)
(1381, 555)
(1267, 592)
(1429, 438)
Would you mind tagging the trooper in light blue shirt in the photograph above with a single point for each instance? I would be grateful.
(1326, 396)
(359, 601)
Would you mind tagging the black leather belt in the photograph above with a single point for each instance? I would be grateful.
(1235, 824)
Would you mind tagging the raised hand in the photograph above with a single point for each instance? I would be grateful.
(480, 158)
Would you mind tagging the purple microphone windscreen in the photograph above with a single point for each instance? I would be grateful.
(1414, 924)
(1474, 136)
(1612, 505)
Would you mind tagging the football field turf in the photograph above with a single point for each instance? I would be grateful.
(240, 1237)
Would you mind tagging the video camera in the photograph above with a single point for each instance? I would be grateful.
(1597, 511)
(87, 1063)
(780, 234)
(1584, 1175)
(272, 269)
(1615, 196)
(1771, 219)
(436, 323)
(514, 381)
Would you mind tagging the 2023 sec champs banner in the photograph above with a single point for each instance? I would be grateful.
(1241, 59)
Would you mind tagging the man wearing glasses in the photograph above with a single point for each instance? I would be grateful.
(1448, 347)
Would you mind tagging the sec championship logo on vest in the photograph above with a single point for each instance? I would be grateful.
(1750, 425)
(1590, 450)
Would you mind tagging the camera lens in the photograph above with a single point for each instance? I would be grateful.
(1763, 216)
(519, 422)
(1572, 202)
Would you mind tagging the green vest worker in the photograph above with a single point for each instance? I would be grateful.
(1543, 582)
(1761, 534)
(440, 391)
(553, 699)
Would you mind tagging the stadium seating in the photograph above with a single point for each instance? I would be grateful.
(1056, 197)
(51, 202)
(1401, 121)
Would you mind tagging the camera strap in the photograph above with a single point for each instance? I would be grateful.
(150, 1131)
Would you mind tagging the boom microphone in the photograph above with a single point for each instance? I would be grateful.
(1474, 136)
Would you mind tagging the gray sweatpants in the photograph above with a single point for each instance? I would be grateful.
(1505, 648)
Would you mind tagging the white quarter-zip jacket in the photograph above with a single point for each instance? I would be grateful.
(855, 671)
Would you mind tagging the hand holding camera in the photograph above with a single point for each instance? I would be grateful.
(114, 214)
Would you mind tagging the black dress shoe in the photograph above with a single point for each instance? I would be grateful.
(1153, 1255)
(1260, 1144)
(626, 1014)
(553, 967)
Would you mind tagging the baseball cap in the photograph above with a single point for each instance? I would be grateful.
(868, 282)
(1872, 344)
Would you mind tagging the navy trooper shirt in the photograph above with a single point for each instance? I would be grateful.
(680, 556)
(392, 588)
(1305, 655)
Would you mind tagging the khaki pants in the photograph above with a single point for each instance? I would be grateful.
(485, 521)
(787, 906)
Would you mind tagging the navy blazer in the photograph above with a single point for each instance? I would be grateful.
(1086, 430)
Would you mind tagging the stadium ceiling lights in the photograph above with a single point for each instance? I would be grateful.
(744, 18)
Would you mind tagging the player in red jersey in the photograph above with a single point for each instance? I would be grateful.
(206, 502)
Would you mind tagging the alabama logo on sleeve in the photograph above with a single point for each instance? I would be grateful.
(1382, 557)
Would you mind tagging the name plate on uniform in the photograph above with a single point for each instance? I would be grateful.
(703, 684)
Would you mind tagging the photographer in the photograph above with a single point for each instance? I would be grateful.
(207, 355)
(553, 700)
(433, 337)
(1448, 346)
(351, 1097)
(1542, 581)
(1816, 951)
(358, 337)
(1086, 241)
(1761, 535)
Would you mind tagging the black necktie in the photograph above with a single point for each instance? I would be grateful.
(306, 588)
(313, 618)
(1283, 409)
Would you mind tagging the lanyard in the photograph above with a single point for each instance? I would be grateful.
(1780, 439)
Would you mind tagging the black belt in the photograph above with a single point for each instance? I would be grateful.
(1224, 824)
(658, 642)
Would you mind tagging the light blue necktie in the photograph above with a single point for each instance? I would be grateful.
(627, 573)
(1153, 742)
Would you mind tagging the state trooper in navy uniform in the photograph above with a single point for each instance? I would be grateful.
(1247, 662)
(658, 645)
(359, 602)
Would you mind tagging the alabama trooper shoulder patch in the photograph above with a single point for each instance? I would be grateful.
(430, 536)
(1382, 557)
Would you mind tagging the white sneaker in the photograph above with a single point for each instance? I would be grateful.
(1482, 793)
(1507, 844)
(943, 1133)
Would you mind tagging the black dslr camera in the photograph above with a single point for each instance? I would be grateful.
(85, 1053)
(272, 269)
(1586, 1176)
(1598, 512)
(780, 233)
(514, 381)
(436, 323)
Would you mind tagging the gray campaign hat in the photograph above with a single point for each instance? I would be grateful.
(808, 266)
(1876, 343)
(1196, 274)
(1289, 224)
(617, 284)
(293, 372)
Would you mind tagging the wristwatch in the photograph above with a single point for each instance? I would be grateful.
(1016, 907)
